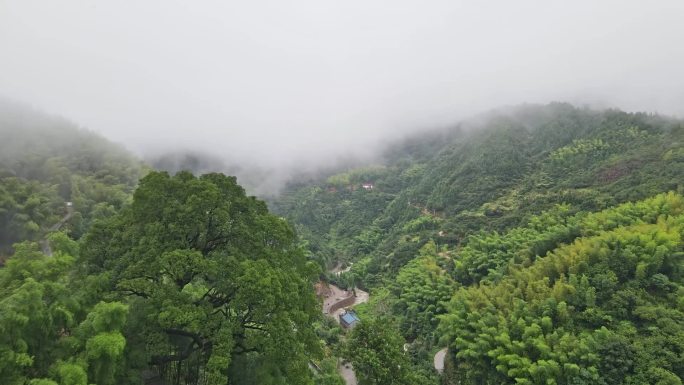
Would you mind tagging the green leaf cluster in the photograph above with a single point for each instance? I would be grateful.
(605, 308)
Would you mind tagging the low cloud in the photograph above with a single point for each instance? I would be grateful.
(282, 86)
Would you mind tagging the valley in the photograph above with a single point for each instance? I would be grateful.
(341, 192)
(543, 244)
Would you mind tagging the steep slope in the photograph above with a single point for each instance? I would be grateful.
(593, 298)
(512, 240)
(489, 174)
(47, 161)
(508, 240)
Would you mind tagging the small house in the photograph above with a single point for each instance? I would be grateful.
(367, 186)
(349, 319)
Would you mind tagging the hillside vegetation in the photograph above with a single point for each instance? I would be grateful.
(192, 283)
(541, 244)
(161, 280)
(603, 305)
(489, 175)
(46, 161)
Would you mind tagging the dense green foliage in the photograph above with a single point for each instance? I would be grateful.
(192, 283)
(375, 350)
(542, 245)
(52, 327)
(510, 241)
(606, 308)
(185, 281)
(45, 162)
(422, 288)
(217, 284)
(489, 175)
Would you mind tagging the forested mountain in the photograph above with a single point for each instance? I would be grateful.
(510, 239)
(46, 161)
(487, 175)
(587, 299)
(160, 280)
(539, 244)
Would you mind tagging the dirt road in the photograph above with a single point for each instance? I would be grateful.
(439, 360)
(347, 372)
(333, 295)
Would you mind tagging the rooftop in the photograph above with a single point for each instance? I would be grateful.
(350, 317)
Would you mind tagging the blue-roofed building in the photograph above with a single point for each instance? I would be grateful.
(349, 319)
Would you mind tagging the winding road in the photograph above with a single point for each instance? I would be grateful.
(44, 243)
(333, 295)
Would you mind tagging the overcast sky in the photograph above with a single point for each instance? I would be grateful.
(282, 81)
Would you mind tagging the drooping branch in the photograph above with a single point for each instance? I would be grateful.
(197, 342)
(129, 291)
(211, 244)
(255, 327)
(218, 300)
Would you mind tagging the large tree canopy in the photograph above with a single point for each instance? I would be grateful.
(375, 350)
(211, 279)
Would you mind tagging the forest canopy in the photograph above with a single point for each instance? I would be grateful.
(192, 282)
(542, 245)
(45, 162)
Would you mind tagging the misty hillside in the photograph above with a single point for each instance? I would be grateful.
(514, 241)
(487, 174)
(46, 161)
(536, 244)
(256, 179)
(341, 192)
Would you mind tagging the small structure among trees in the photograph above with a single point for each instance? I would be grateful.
(349, 319)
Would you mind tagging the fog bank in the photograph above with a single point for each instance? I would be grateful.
(300, 84)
